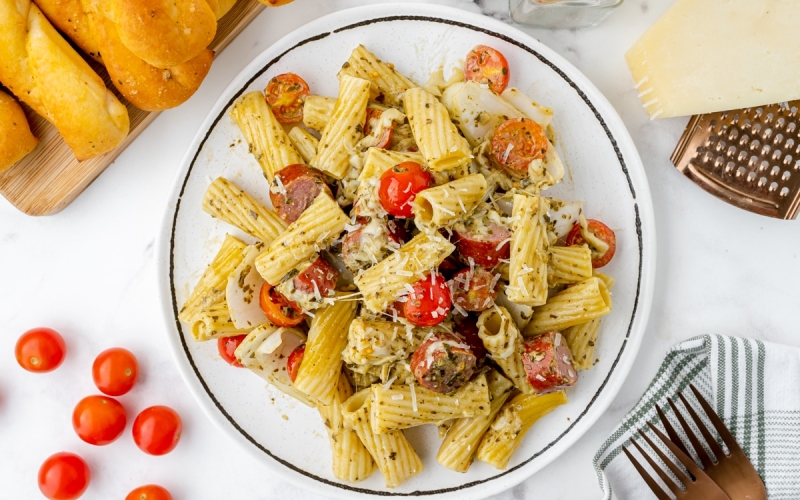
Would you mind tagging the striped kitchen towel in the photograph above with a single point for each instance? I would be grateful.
(753, 385)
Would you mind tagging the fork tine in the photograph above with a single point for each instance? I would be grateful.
(685, 460)
(716, 449)
(724, 433)
(663, 475)
(698, 448)
(673, 436)
(654, 487)
(680, 474)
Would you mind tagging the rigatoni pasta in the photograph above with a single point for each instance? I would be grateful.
(444, 204)
(503, 341)
(388, 85)
(577, 304)
(527, 273)
(569, 264)
(305, 143)
(226, 201)
(438, 139)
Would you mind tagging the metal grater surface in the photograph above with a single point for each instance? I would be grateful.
(748, 157)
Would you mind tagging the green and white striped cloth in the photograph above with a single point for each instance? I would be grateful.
(753, 385)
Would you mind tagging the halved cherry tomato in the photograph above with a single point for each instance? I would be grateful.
(430, 302)
(599, 230)
(286, 94)
(114, 371)
(157, 430)
(517, 142)
(487, 65)
(399, 186)
(63, 476)
(227, 349)
(294, 360)
(280, 310)
(99, 420)
(40, 350)
(373, 118)
(149, 492)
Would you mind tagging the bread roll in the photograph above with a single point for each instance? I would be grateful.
(44, 71)
(164, 33)
(16, 139)
(144, 85)
(68, 16)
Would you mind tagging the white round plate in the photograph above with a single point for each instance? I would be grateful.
(604, 170)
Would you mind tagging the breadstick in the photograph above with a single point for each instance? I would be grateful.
(16, 140)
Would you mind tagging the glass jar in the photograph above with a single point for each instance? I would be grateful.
(561, 13)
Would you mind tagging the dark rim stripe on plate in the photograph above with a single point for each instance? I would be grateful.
(200, 148)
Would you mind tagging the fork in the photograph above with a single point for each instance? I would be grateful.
(698, 486)
(733, 472)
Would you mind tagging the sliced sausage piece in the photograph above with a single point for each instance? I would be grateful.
(443, 363)
(467, 327)
(294, 189)
(548, 363)
(320, 276)
(474, 290)
(486, 244)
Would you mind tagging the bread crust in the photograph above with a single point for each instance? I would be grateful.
(16, 139)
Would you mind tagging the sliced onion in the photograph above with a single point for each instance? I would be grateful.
(528, 107)
(242, 292)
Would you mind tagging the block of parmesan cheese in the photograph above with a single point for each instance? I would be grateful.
(714, 55)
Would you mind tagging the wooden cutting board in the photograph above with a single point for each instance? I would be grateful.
(50, 178)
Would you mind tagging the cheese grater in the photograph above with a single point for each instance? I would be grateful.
(748, 157)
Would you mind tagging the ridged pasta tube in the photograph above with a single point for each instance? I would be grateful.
(305, 143)
(581, 340)
(577, 304)
(345, 128)
(448, 203)
(503, 341)
(265, 136)
(226, 201)
(214, 322)
(317, 111)
(393, 454)
(436, 136)
(211, 287)
(350, 460)
(462, 438)
(512, 423)
(527, 272)
(384, 79)
(321, 223)
(374, 343)
(569, 264)
(382, 284)
(404, 406)
(322, 361)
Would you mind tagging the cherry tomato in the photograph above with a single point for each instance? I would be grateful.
(157, 430)
(279, 310)
(40, 350)
(373, 119)
(115, 371)
(63, 476)
(601, 231)
(517, 142)
(467, 327)
(430, 302)
(227, 349)
(286, 95)
(99, 420)
(399, 186)
(149, 492)
(294, 360)
(487, 65)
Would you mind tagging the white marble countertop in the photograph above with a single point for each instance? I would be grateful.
(89, 272)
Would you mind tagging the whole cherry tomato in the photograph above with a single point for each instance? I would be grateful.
(399, 186)
(294, 360)
(63, 476)
(149, 492)
(99, 420)
(114, 371)
(517, 142)
(157, 430)
(487, 65)
(227, 349)
(600, 231)
(280, 310)
(40, 350)
(286, 95)
(430, 302)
